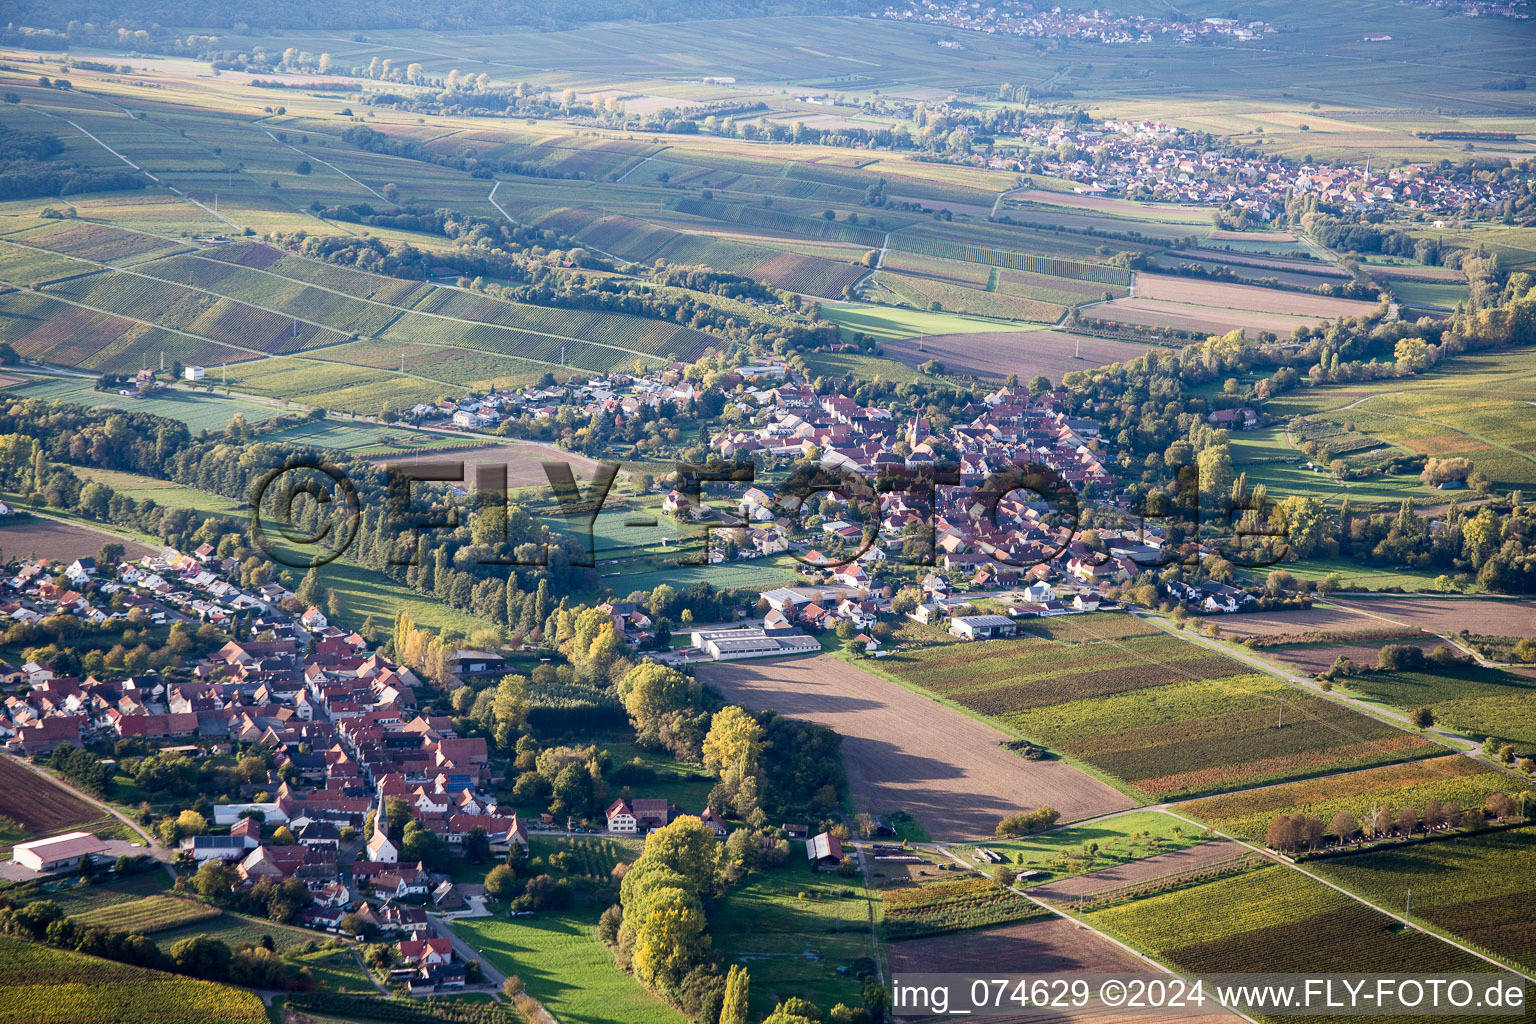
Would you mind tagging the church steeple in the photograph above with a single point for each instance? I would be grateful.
(380, 847)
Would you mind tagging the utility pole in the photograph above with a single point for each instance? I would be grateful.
(1408, 903)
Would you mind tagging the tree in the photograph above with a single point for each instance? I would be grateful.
(477, 846)
(735, 740)
(214, 880)
(670, 937)
(501, 883)
(651, 690)
(201, 956)
(688, 847)
(1216, 476)
(1422, 718)
(737, 986)
(1021, 824)
(1343, 826)
(1283, 833)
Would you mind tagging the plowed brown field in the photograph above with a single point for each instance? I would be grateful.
(905, 752)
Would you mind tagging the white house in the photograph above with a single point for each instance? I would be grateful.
(621, 818)
(193, 373)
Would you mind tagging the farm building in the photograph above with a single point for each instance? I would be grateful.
(229, 814)
(193, 372)
(226, 848)
(983, 627)
(752, 642)
(57, 853)
(824, 850)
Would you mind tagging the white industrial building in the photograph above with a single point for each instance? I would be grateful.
(228, 814)
(752, 642)
(57, 853)
(983, 627)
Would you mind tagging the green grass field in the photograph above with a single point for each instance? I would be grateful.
(1121, 839)
(1165, 718)
(566, 968)
(161, 492)
(792, 928)
(198, 410)
(887, 322)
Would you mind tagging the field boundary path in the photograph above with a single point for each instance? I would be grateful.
(1458, 744)
(491, 198)
(620, 179)
(157, 851)
(1287, 862)
(311, 156)
(179, 193)
(1085, 926)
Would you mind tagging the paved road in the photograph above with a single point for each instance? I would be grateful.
(462, 950)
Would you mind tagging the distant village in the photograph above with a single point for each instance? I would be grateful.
(1140, 159)
(1103, 26)
(1045, 21)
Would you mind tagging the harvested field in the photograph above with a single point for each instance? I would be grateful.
(524, 462)
(36, 804)
(1055, 945)
(949, 773)
(1221, 235)
(1045, 946)
(1320, 622)
(1450, 614)
(1026, 353)
(1249, 259)
(34, 536)
(1196, 319)
(1137, 871)
(1444, 274)
(1312, 660)
(1224, 295)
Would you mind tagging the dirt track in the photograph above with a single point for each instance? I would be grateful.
(1055, 946)
(1137, 870)
(905, 752)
